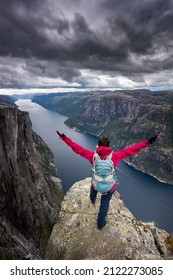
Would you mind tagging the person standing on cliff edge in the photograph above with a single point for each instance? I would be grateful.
(103, 150)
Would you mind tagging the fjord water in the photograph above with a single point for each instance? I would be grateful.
(147, 198)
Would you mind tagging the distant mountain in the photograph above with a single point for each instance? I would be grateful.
(7, 100)
(127, 117)
(15, 97)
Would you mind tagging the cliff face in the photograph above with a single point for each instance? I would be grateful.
(127, 117)
(76, 236)
(30, 190)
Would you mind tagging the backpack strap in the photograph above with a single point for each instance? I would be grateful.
(109, 156)
(95, 156)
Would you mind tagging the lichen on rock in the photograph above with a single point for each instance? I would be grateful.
(76, 235)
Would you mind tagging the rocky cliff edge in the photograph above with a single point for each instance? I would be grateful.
(76, 235)
(30, 190)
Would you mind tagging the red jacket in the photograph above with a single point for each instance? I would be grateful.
(105, 151)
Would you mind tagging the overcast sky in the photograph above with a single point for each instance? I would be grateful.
(123, 44)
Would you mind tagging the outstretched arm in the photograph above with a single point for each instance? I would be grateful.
(134, 149)
(77, 148)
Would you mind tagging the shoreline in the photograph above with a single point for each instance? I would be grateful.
(136, 168)
(92, 134)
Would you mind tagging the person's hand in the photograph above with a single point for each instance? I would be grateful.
(152, 139)
(60, 134)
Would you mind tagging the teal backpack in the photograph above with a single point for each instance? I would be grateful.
(103, 173)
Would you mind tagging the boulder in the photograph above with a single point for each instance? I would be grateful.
(76, 236)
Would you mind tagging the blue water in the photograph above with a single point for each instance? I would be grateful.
(147, 198)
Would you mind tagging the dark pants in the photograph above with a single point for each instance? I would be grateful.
(104, 206)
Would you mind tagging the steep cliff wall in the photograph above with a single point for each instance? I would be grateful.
(30, 190)
(127, 117)
(76, 236)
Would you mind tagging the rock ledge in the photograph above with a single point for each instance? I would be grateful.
(76, 236)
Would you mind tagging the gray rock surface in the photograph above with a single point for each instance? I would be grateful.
(30, 190)
(76, 235)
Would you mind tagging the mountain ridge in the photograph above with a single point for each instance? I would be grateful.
(126, 117)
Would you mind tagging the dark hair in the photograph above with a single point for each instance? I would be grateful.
(104, 141)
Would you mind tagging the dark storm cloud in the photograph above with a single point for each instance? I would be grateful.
(23, 27)
(52, 70)
(146, 24)
(63, 37)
